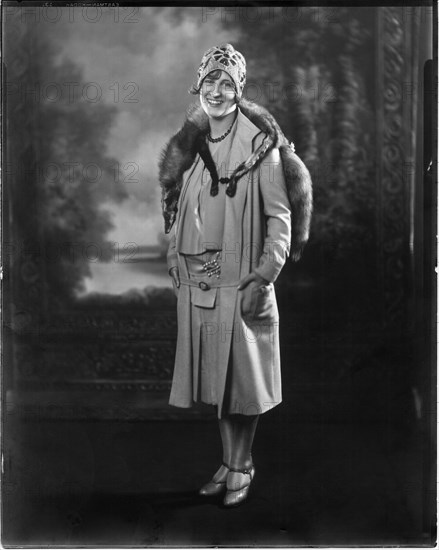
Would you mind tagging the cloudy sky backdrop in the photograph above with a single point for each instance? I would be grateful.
(143, 60)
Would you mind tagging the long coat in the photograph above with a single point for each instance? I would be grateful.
(257, 233)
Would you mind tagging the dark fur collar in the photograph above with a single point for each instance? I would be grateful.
(179, 154)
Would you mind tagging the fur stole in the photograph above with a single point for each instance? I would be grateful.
(179, 154)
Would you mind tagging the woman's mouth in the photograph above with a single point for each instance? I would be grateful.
(214, 102)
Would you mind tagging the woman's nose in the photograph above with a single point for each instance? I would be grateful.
(216, 90)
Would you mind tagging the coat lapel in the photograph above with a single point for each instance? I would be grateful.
(245, 135)
(243, 143)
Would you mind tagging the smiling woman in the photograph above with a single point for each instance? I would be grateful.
(229, 244)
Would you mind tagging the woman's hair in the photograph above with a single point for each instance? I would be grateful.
(214, 75)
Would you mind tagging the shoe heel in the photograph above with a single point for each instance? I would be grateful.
(236, 497)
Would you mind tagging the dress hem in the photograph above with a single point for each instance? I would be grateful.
(268, 406)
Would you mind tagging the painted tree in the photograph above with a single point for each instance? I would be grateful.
(67, 175)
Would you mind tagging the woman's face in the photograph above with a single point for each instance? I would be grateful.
(217, 96)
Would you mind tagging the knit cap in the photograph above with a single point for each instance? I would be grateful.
(225, 58)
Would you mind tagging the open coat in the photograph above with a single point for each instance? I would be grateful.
(257, 238)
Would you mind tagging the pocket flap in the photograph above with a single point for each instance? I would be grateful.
(203, 298)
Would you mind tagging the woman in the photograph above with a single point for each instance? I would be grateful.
(239, 202)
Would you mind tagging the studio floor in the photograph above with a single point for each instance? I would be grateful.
(107, 483)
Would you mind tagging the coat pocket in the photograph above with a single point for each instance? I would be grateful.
(258, 302)
(265, 304)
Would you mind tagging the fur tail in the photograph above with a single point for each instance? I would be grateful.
(299, 187)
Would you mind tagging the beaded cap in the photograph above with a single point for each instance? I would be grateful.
(225, 58)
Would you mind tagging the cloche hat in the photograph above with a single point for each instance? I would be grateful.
(225, 58)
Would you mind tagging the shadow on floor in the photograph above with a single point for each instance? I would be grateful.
(134, 483)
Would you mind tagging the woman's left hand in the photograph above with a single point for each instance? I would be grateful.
(251, 285)
(252, 277)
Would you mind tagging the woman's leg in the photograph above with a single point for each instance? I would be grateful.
(244, 428)
(226, 430)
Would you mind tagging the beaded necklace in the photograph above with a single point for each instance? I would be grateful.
(217, 140)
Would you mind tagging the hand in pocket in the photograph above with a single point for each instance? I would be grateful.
(255, 295)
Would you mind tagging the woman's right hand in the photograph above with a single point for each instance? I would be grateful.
(174, 273)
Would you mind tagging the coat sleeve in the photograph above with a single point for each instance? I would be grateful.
(171, 256)
(277, 211)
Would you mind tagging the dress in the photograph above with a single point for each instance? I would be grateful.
(228, 340)
(198, 241)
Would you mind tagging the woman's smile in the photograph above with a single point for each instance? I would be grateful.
(218, 107)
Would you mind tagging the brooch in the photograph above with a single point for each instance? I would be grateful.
(212, 267)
